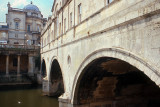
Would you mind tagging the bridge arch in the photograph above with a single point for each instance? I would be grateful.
(55, 78)
(115, 56)
(43, 69)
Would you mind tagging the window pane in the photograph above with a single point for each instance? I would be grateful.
(65, 25)
(79, 13)
(28, 28)
(110, 1)
(38, 28)
(70, 20)
(59, 29)
(16, 25)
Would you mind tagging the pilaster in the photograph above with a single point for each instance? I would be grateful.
(7, 65)
(18, 67)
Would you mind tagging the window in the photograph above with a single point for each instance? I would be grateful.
(15, 62)
(38, 28)
(16, 35)
(49, 36)
(42, 43)
(59, 29)
(64, 25)
(52, 35)
(28, 28)
(34, 42)
(33, 14)
(57, 23)
(45, 41)
(16, 42)
(108, 1)
(79, 13)
(16, 25)
(71, 20)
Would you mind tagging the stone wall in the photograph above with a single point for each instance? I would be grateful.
(123, 29)
(3, 64)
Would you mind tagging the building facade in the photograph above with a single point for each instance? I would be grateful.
(24, 25)
(102, 53)
(20, 42)
(3, 33)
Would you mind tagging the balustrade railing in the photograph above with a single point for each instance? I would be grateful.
(25, 47)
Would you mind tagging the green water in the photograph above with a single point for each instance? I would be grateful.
(26, 98)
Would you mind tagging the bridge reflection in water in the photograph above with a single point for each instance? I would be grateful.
(26, 98)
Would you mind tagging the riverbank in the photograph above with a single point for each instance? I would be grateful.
(18, 82)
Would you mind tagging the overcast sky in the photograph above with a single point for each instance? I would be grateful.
(44, 6)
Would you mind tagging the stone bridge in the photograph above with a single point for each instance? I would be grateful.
(102, 54)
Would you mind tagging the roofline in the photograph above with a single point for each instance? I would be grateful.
(31, 5)
(53, 5)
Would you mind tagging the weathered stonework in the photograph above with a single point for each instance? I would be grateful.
(125, 30)
(20, 43)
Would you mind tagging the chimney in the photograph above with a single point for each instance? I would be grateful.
(8, 5)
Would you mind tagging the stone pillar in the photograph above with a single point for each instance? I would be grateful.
(31, 65)
(45, 87)
(18, 67)
(7, 65)
(65, 101)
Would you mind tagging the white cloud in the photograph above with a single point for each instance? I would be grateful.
(17, 3)
(3, 9)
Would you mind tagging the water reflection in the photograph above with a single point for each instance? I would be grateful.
(26, 98)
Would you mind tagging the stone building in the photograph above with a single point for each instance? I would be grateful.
(24, 24)
(20, 42)
(102, 53)
(3, 33)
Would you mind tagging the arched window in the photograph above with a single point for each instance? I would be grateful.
(17, 22)
(108, 1)
(16, 25)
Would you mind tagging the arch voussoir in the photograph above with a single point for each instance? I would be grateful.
(136, 61)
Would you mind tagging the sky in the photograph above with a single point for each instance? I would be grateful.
(44, 6)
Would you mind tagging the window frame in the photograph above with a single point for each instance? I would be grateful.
(79, 13)
(28, 26)
(60, 29)
(16, 25)
(64, 25)
(34, 42)
(108, 2)
(38, 28)
(71, 21)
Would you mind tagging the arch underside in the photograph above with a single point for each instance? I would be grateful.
(56, 79)
(43, 69)
(118, 78)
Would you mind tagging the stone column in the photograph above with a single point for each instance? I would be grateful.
(31, 65)
(45, 87)
(7, 65)
(18, 67)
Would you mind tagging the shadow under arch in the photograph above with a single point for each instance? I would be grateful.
(55, 79)
(110, 55)
(43, 69)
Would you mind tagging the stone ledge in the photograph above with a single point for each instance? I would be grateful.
(64, 100)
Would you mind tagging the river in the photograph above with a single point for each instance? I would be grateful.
(26, 98)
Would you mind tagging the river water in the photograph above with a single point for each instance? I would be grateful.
(26, 98)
